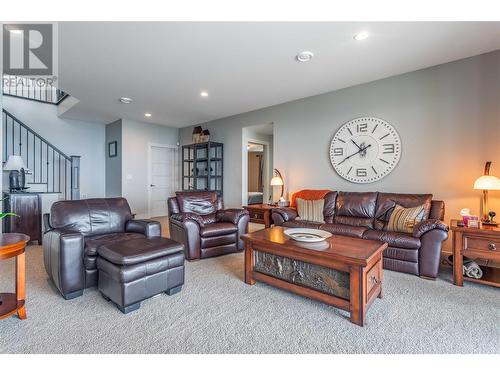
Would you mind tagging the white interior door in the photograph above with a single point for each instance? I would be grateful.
(162, 178)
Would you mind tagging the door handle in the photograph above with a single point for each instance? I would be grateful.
(152, 185)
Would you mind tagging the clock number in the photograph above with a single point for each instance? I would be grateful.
(388, 148)
(362, 128)
(339, 151)
(361, 172)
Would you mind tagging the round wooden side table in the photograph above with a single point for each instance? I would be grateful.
(13, 245)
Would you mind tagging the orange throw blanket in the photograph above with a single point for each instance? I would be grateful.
(309, 195)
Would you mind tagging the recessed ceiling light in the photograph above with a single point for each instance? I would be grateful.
(204, 94)
(125, 100)
(15, 31)
(304, 56)
(147, 114)
(362, 35)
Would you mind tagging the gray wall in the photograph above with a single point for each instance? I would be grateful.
(448, 117)
(114, 164)
(70, 136)
(136, 137)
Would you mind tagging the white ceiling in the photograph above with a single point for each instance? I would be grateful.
(243, 66)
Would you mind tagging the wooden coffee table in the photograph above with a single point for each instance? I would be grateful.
(342, 271)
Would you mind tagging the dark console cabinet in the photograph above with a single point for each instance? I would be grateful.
(28, 207)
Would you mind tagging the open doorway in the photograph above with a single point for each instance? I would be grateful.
(255, 173)
(257, 164)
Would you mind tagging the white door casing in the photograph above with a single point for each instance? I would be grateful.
(162, 177)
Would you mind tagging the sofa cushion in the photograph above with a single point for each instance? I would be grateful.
(344, 230)
(387, 201)
(356, 209)
(218, 229)
(393, 239)
(301, 224)
(92, 243)
(404, 219)
(91, 216)
(310, 210)
(201, 203)
(307, 194)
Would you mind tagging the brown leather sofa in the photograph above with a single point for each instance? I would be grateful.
(75, 230)
(365, 215)
(199, 221)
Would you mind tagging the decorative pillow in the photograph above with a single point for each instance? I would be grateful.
(309, 210)
(404, 219)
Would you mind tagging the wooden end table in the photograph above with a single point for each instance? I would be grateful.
(482, 243)
(342, 271)
(260, 213)
(13, 245)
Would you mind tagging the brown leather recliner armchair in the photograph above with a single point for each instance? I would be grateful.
(75, 230)
(199, 221)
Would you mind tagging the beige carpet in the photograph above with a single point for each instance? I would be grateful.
(217, 313)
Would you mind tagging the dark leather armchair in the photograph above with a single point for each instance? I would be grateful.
(73, 232)
(199, 221)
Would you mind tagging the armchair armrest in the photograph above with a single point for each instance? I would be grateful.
(46, 223)
(150, 228)
(231, 215)
(63, 259)
(181, 218)
(286, 213)
(427, 225)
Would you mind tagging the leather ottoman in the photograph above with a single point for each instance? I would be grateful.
(134, 270)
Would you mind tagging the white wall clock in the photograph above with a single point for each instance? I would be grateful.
(365, 150)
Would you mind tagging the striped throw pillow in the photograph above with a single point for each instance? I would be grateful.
(404, 219)
(310, 210)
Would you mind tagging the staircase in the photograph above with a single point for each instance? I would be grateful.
(50, 170)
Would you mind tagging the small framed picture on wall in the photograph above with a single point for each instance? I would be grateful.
(113, 149)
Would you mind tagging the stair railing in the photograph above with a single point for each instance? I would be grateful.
(40, 90)
(47, 165)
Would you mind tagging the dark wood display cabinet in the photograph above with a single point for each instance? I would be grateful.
(28, 207)
(203, 167)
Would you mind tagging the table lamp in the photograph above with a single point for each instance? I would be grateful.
(277, 180)
(487, 182)
(17, 168)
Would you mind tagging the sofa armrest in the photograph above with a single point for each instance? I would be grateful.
(286, 213)
(427, 225)
(232, 215)
(181, 218)
(149, 228)
(63, 259)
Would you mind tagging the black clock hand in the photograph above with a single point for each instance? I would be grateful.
(352, 140)
(360, 150)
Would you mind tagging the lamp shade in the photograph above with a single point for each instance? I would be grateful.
(487, 182)
(276, 181)
(14, 163)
